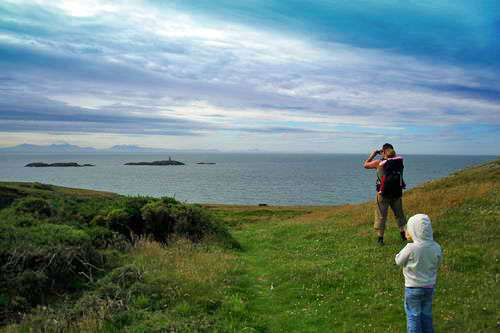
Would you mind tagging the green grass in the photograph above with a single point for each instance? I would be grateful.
(303, 269)
(10, 191)
(241, 217)
(319, 278)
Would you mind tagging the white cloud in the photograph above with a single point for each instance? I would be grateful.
(232, 76)
(85, 8)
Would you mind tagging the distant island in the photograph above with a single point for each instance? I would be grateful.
(60, 164)
(170, 161)
(208, 163)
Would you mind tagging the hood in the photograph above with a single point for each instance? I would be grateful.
(420, 228)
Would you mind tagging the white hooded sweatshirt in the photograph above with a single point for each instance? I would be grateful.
(421, 258)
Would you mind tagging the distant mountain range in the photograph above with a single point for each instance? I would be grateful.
(49, 148)
(63, 148)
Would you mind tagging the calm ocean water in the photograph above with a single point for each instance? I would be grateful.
(275, 179)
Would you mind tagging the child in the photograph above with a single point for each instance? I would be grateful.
(420, 261)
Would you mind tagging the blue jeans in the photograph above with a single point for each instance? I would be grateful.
(418, 308)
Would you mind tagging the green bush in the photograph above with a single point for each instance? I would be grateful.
(33, 205)
(8, 195)
(42, 259)
(159, 220)
(163, 220)
(63, 245)
(169, 201)
(118, 220)
(194, 223)
(40, 186)
(8, 217)
(103, 238)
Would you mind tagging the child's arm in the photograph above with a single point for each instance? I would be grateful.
(440, 255)
(403, 255)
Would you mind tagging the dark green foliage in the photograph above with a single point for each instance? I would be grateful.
(193, 223)
(165, 218)
(103, 237)
(8, 195)
(39, 260)
(9, 218)
(122, 215)
(117, 220)
(41, 186)
(53, 243)
(32, 205)
(169, 201)
(159, 219)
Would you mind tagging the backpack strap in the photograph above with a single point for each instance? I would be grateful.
(379, 180)
(382, 184)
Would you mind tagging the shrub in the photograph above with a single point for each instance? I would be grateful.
(33, 205)
(194, 223)
(8, 195)
(39, 260)
(61, 245)
(120, 221)
(163, 220)
(40, 186)
(8, 217)
(133, 205)
(159, 220)
(103, 237)
(169, 201)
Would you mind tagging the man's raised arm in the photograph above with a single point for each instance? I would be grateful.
(370, 163)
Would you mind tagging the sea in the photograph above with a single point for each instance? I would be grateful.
(235, 178)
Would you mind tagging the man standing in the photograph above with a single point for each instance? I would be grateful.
(389, 188)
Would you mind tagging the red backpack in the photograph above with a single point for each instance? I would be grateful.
(391, 184)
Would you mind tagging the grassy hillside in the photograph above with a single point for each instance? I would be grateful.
(10, 191)
(297, 269)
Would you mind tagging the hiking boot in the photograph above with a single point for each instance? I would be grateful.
(380, 241)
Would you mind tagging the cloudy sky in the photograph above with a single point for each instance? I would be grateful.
(275, 75)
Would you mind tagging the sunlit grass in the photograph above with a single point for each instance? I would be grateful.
(189, 261)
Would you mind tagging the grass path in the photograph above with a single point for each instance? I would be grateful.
(298, 276)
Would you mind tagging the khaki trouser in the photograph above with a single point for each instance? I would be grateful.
(382, 206)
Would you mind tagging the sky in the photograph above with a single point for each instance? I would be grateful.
(329, 76)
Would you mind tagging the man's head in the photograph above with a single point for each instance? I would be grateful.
(388, 150)
(387, 146)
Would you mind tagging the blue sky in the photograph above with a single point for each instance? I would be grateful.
(317, 76)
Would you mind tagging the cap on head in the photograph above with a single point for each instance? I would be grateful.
(387, 146)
